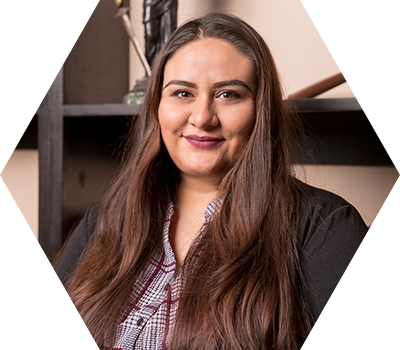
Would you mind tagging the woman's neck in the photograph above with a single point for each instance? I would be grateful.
(195, 193)
(192, 198)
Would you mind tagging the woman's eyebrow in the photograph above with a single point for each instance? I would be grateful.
(215, 86)
(181, 82)
(230, 83)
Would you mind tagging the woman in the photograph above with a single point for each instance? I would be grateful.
(147, 269)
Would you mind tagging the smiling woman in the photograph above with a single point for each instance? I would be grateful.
(207, 114)
(206, 240)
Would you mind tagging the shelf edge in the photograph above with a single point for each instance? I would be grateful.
(313, 105)
(100, 110)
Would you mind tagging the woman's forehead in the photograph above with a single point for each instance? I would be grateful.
(209, 58)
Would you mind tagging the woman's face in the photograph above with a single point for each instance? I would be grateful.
(207, 107)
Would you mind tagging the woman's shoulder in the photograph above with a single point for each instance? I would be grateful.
(350, 287)
(76, 245)
(86, 226)
(324, 211)
(317, 199)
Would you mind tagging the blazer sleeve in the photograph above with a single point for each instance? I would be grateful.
(352, 292)
(39, 331)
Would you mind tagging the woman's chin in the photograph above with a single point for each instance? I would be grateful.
(205, 174)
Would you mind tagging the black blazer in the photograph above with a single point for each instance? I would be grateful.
(353, 294)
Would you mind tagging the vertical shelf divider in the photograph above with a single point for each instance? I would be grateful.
(50, 146)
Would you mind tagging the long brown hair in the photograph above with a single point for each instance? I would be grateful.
(248, 286)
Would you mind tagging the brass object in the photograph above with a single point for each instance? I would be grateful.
(118, 3)
(123, 14)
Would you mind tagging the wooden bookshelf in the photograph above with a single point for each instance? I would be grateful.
(352, 131)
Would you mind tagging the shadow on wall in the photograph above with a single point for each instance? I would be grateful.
(7, 261)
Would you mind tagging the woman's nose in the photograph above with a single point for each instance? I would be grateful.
(203, 114)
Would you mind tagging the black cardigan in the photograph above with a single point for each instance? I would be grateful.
(352, 292)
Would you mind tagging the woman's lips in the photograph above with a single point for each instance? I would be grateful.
(203, 141)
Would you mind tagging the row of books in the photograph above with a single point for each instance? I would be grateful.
(19, 51)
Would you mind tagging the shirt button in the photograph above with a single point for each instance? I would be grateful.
(167, 287)
(139, 321)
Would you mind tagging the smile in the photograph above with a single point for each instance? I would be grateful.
(203, 141)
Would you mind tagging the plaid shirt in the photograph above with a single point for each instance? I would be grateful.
(153, 305)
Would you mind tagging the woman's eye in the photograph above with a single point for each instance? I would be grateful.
(228, 95)
(183, 94)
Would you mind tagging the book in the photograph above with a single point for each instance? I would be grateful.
(25, 50)
(1, 37)
(35, 76)
(10, 51)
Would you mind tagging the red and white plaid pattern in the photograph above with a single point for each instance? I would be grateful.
(151, 316)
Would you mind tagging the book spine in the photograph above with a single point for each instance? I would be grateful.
(25, 50)
(1, 38)
(10, 51)
(35, 77)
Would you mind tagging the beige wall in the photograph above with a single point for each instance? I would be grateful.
(365, 187)
(18, 217)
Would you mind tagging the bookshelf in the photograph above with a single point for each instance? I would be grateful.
(85, 52)
(78, 126)
(353, 131)
(84, 75)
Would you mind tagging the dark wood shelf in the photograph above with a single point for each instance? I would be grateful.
(92, 150)
(101, 110)
(351, 131)
(326, 105)
(10, 326)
